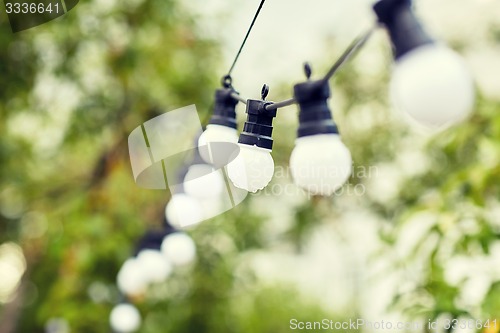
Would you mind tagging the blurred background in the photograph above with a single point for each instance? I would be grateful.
(414, 235)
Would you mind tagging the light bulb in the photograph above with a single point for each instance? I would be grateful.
(321, 163)
(213, 206)
(125, 318)
(432, 85)
(202, 182)
(179, 249)
(130, 278)
(252, 169)
(183, 210)
(155, 267)
(212, 134)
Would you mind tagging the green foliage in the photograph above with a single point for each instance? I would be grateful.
(73, 89)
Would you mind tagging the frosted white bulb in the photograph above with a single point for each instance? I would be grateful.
(130, 279)
(215, 133)
(57, 325)
(125, 318)
(213, 206)
(433, 86)
(179, 249)
(252, 169)
(320, 164)
(201, 181)
(183, 210)
(154, 265)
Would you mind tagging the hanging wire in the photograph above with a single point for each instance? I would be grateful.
(281, 104)
(237, 97)
(245, 39)
(350, 52)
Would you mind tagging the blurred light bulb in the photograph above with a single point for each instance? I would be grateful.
(433, 86)
(130, 279)
(179, 249)
(201, 181)
(57, 325)
(213, 206)
(215, 133)
(183, 210)
(252, 169)
(321, 163)
(154, 265)
(125, 318)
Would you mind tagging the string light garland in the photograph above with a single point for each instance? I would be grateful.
(430, 83)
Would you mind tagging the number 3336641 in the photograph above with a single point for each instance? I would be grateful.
(31, 8)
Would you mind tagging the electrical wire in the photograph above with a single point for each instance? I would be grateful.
(351, 51)
(246, 38)
(237, 97)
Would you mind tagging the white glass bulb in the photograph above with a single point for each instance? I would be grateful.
(131, 279)
(154, 265)
(183, 210)
(179, 249)
(201, 181)
(320, 164)
(125, 318)
(213, 206)
(433, 86)
(215, 133)
(252, 169)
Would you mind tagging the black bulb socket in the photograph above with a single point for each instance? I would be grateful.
(315, 116)
(224, 112)
(151, 240)
(258, 128)
(405, 30)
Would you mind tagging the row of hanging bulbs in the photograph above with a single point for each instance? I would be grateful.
(158, 253)
(430, 83)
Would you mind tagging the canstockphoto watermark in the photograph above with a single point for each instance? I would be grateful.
(286, 187)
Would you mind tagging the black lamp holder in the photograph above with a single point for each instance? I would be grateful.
(315, 116)
(224, 112)
(403, 26)
(258, 128)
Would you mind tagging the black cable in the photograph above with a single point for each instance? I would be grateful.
(245, 39)
(281, 104)
(349, 52)
(355, 45)
(238, 97)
